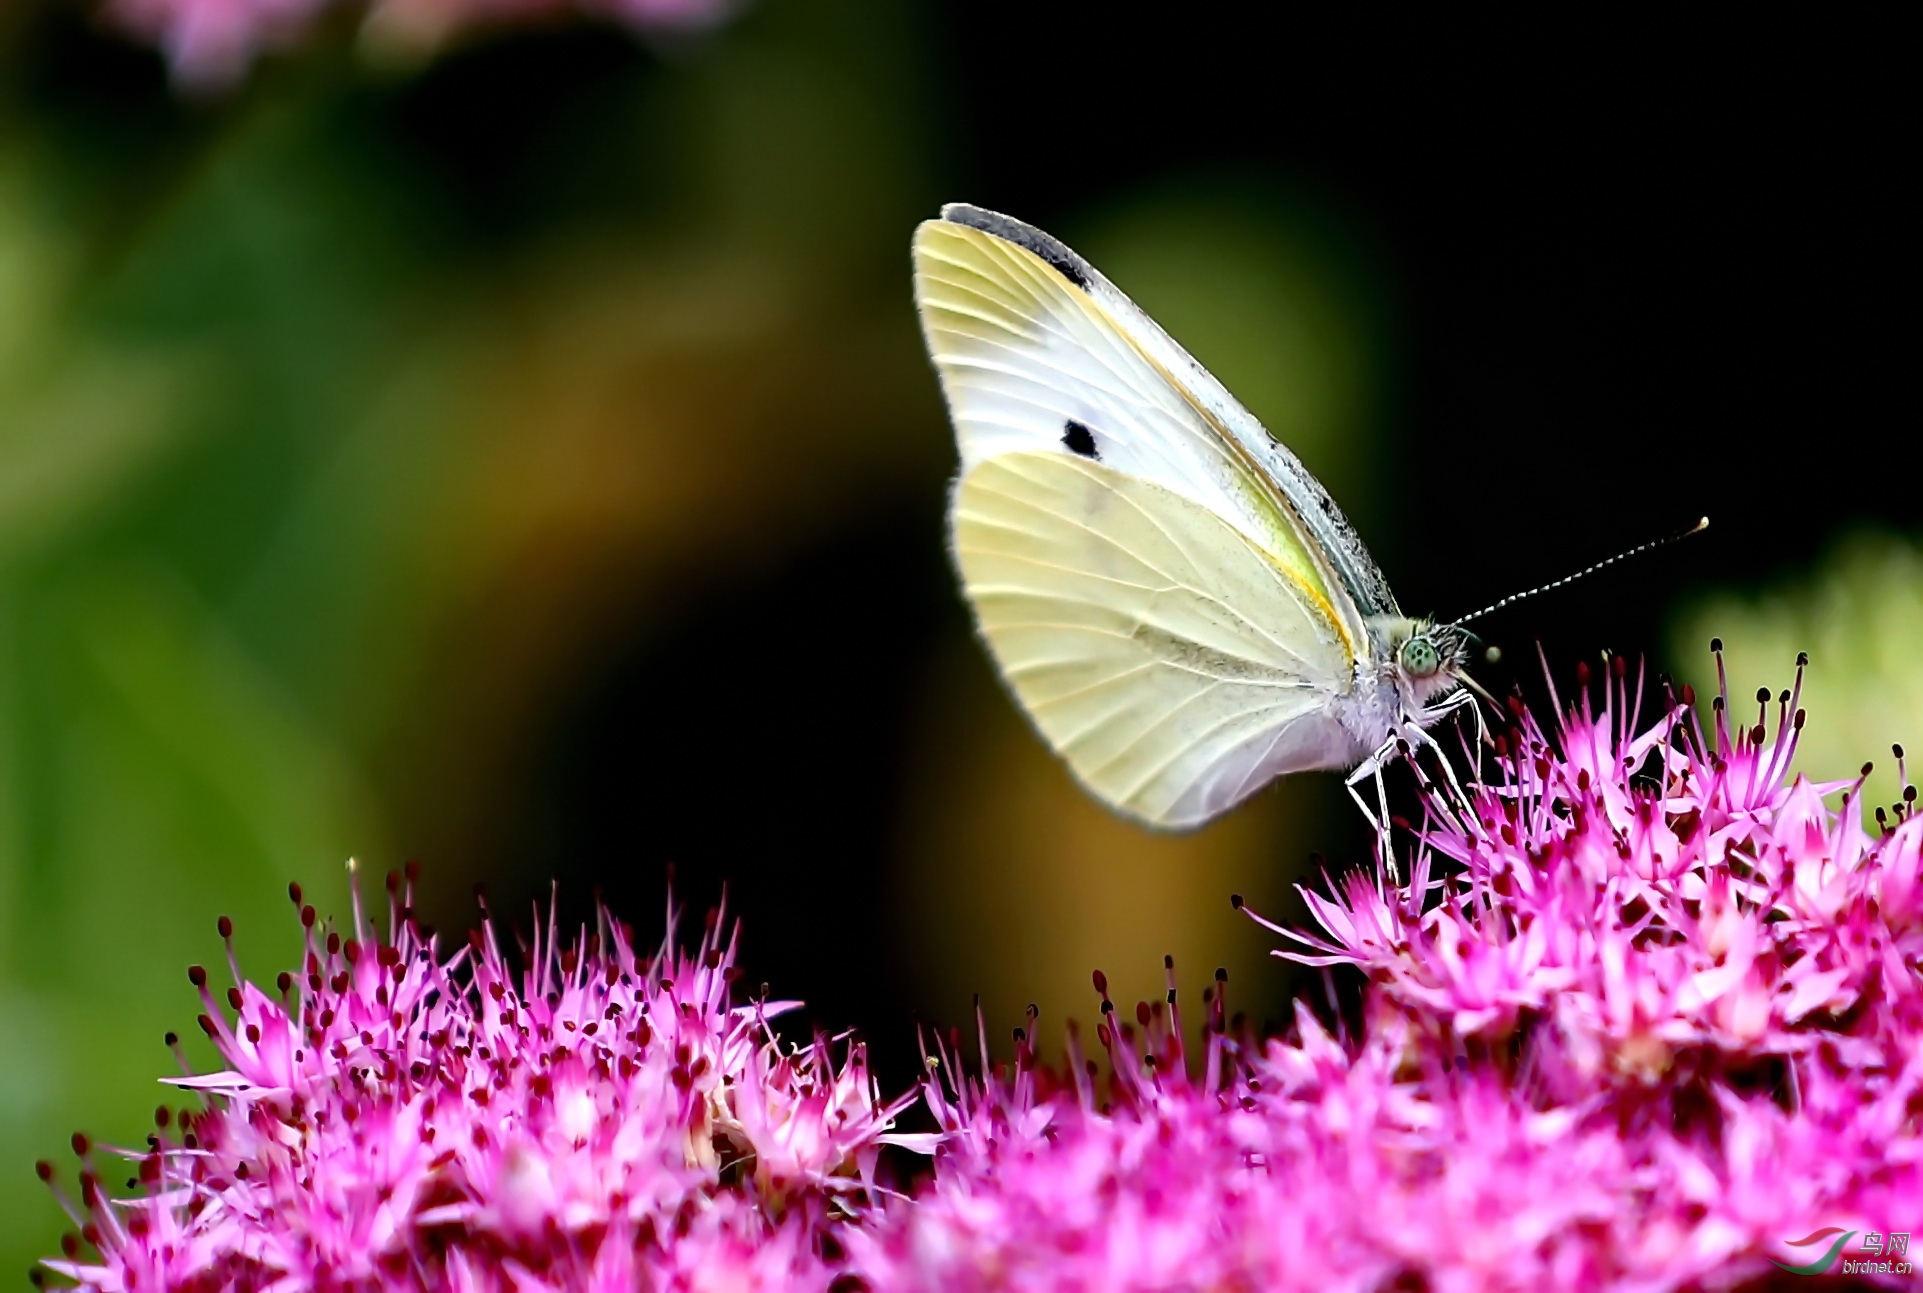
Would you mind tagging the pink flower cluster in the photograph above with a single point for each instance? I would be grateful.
(1305, 1165)
(1636, 906)
(1647, 1015)
(391, 1119)
(211, 43)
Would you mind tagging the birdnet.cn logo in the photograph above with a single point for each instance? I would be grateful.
(1878, 1254)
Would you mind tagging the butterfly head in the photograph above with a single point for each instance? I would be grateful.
(1428, 656)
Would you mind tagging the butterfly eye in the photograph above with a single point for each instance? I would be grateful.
(1419, 657)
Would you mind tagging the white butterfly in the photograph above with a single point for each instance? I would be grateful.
(1177, 604)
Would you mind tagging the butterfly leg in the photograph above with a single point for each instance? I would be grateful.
(1362, 770)
(1371, 767)
(1482, 728)
(1417, 733)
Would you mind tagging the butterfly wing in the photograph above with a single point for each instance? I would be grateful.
(1169, 659)
(1168, 615)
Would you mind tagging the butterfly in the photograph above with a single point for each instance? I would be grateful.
(1178, 605)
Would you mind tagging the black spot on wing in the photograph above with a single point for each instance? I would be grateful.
(1080, 440)
(1026, 236)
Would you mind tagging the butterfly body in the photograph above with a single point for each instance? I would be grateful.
(1178, 605)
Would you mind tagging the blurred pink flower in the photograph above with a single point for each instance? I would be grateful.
(391, 1119)
(210, 44)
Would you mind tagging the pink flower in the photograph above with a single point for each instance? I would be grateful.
(1645, 1016)
(392, 1118)
(211, 44)
(1640, 1018)
(1628, 900)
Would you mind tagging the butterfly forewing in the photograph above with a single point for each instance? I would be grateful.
(1030, 360)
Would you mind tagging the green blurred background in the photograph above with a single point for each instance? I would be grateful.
(516, 453)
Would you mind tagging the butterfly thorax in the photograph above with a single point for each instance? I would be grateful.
(1411, 662)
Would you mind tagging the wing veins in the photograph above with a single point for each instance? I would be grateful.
(1200, 739)
(1173, 582)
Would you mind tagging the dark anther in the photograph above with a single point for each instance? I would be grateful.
(1868, 768)
(1101, 983)
(1762, 695)
(1897, 750)
(197, 975)
(293, 891)
(1715, 644)
(225, 926)
(1802, 659)
(1221, 974)
(1235, 901)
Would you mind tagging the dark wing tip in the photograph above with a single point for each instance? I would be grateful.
(1026, 236)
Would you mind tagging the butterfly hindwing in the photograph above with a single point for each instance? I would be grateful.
(1168, 658)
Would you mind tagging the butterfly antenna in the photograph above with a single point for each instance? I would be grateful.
(1638, 550)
